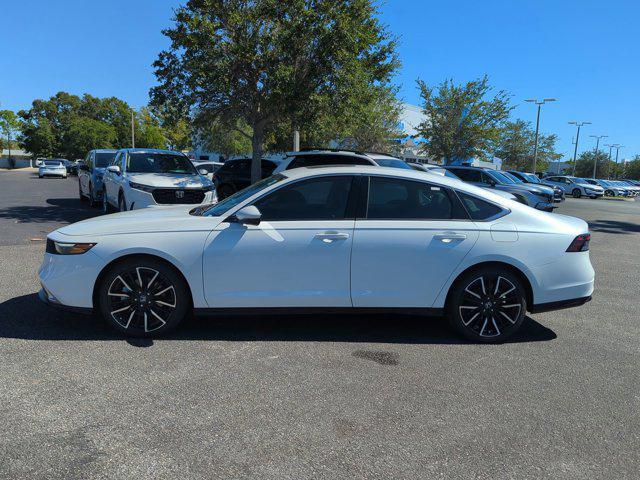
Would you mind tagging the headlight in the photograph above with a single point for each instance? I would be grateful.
(139, 186)
(64, 248)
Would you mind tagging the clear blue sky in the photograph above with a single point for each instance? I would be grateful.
(585, 53)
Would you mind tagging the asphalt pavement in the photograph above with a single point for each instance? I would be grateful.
(338, 397)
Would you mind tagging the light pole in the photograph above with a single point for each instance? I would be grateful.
(575, 150)
(611, 147)
(595, 157)
(539, 103)
(618, 147)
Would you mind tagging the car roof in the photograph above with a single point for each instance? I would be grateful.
(150, 150)
(105, 150)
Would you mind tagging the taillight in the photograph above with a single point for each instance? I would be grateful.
(580, 243)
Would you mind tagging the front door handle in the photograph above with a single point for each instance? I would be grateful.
(331, 236)
(447, 237)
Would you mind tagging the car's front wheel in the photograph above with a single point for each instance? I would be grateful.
(143, 297)
(488, 305)
(576, 193)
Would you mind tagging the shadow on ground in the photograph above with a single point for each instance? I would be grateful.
(613, 226)
(62, 210)
(27, 318)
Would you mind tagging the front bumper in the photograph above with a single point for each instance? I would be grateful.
(545, 206)
(50, 300)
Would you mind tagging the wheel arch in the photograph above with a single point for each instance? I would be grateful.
(115, 261)
(494, 263)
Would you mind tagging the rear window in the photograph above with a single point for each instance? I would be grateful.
(52, 163)
(318, 160)
(468, 175)
(393, 163)
(479, 209)
(103, 159)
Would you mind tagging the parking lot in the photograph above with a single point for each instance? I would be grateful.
(315, 396)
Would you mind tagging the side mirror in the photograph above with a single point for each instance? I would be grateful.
(247, 216)
(114, 169)
(203, 171)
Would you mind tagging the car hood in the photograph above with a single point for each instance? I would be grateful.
(169, 180)
(542, 189)
(146, 220)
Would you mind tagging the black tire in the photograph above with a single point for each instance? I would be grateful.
(576, 193)
(92, 198)
(224, 191)
(487, 305)
(122, 203)
(609, 193)
(151, 309)
(80, 195)
(106, 207)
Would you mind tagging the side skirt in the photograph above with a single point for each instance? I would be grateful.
(425, 312)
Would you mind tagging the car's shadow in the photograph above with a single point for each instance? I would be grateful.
(58, 210)
(613, 226)
(27, 318)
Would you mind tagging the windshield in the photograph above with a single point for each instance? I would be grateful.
(225, 205)
(392, 162)
(499, 177)
(103, 159)
(154, 162)
(531, 177)
(512, 177)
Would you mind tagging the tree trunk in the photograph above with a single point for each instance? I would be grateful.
(256, 145)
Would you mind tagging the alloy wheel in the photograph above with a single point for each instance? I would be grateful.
(141, 299)
(490, 305)
(576, 193)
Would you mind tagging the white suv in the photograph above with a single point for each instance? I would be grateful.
(315, 158)
(138, 178)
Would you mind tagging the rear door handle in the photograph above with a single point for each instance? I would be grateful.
(331, 236)
(450, 237)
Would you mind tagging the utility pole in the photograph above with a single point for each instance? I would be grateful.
(575, 150)
(595, 157)
(611, 147)
(296, 139)
(618, 147)
(535, 148)
(133, 131)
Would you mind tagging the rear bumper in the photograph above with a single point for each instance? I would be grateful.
(562, 304)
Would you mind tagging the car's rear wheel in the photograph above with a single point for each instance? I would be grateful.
(143, 297)
(609, 193)
(576, 193)
(488, 305)
(224, 191)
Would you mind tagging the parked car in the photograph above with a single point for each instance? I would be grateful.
(326, 238)
(138, 178)
(633, 189)
(235, 174)
(610, 188)
(90, 174)
(575, 186)
(207, 168)
(315, 158)
(52, 168)
(72, 167)
(488, 178)
(438, 170)
(558, 193)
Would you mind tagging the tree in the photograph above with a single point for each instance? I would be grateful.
(630, 169)
(584, 164)
(227, 141)
(265, 63)
(516, 144)
(8, 127)
(462, 121)
(148, 133)
(83, 134)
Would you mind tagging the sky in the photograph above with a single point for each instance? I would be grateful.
(584, 53)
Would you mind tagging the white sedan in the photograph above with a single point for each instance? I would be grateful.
(334, 238)
(52, 168)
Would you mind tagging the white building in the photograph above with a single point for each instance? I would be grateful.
(22, 158)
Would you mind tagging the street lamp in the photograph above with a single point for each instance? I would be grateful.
(611, 147)
(575, 150)
(595, 157)
(539, 103)
(618, 147)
